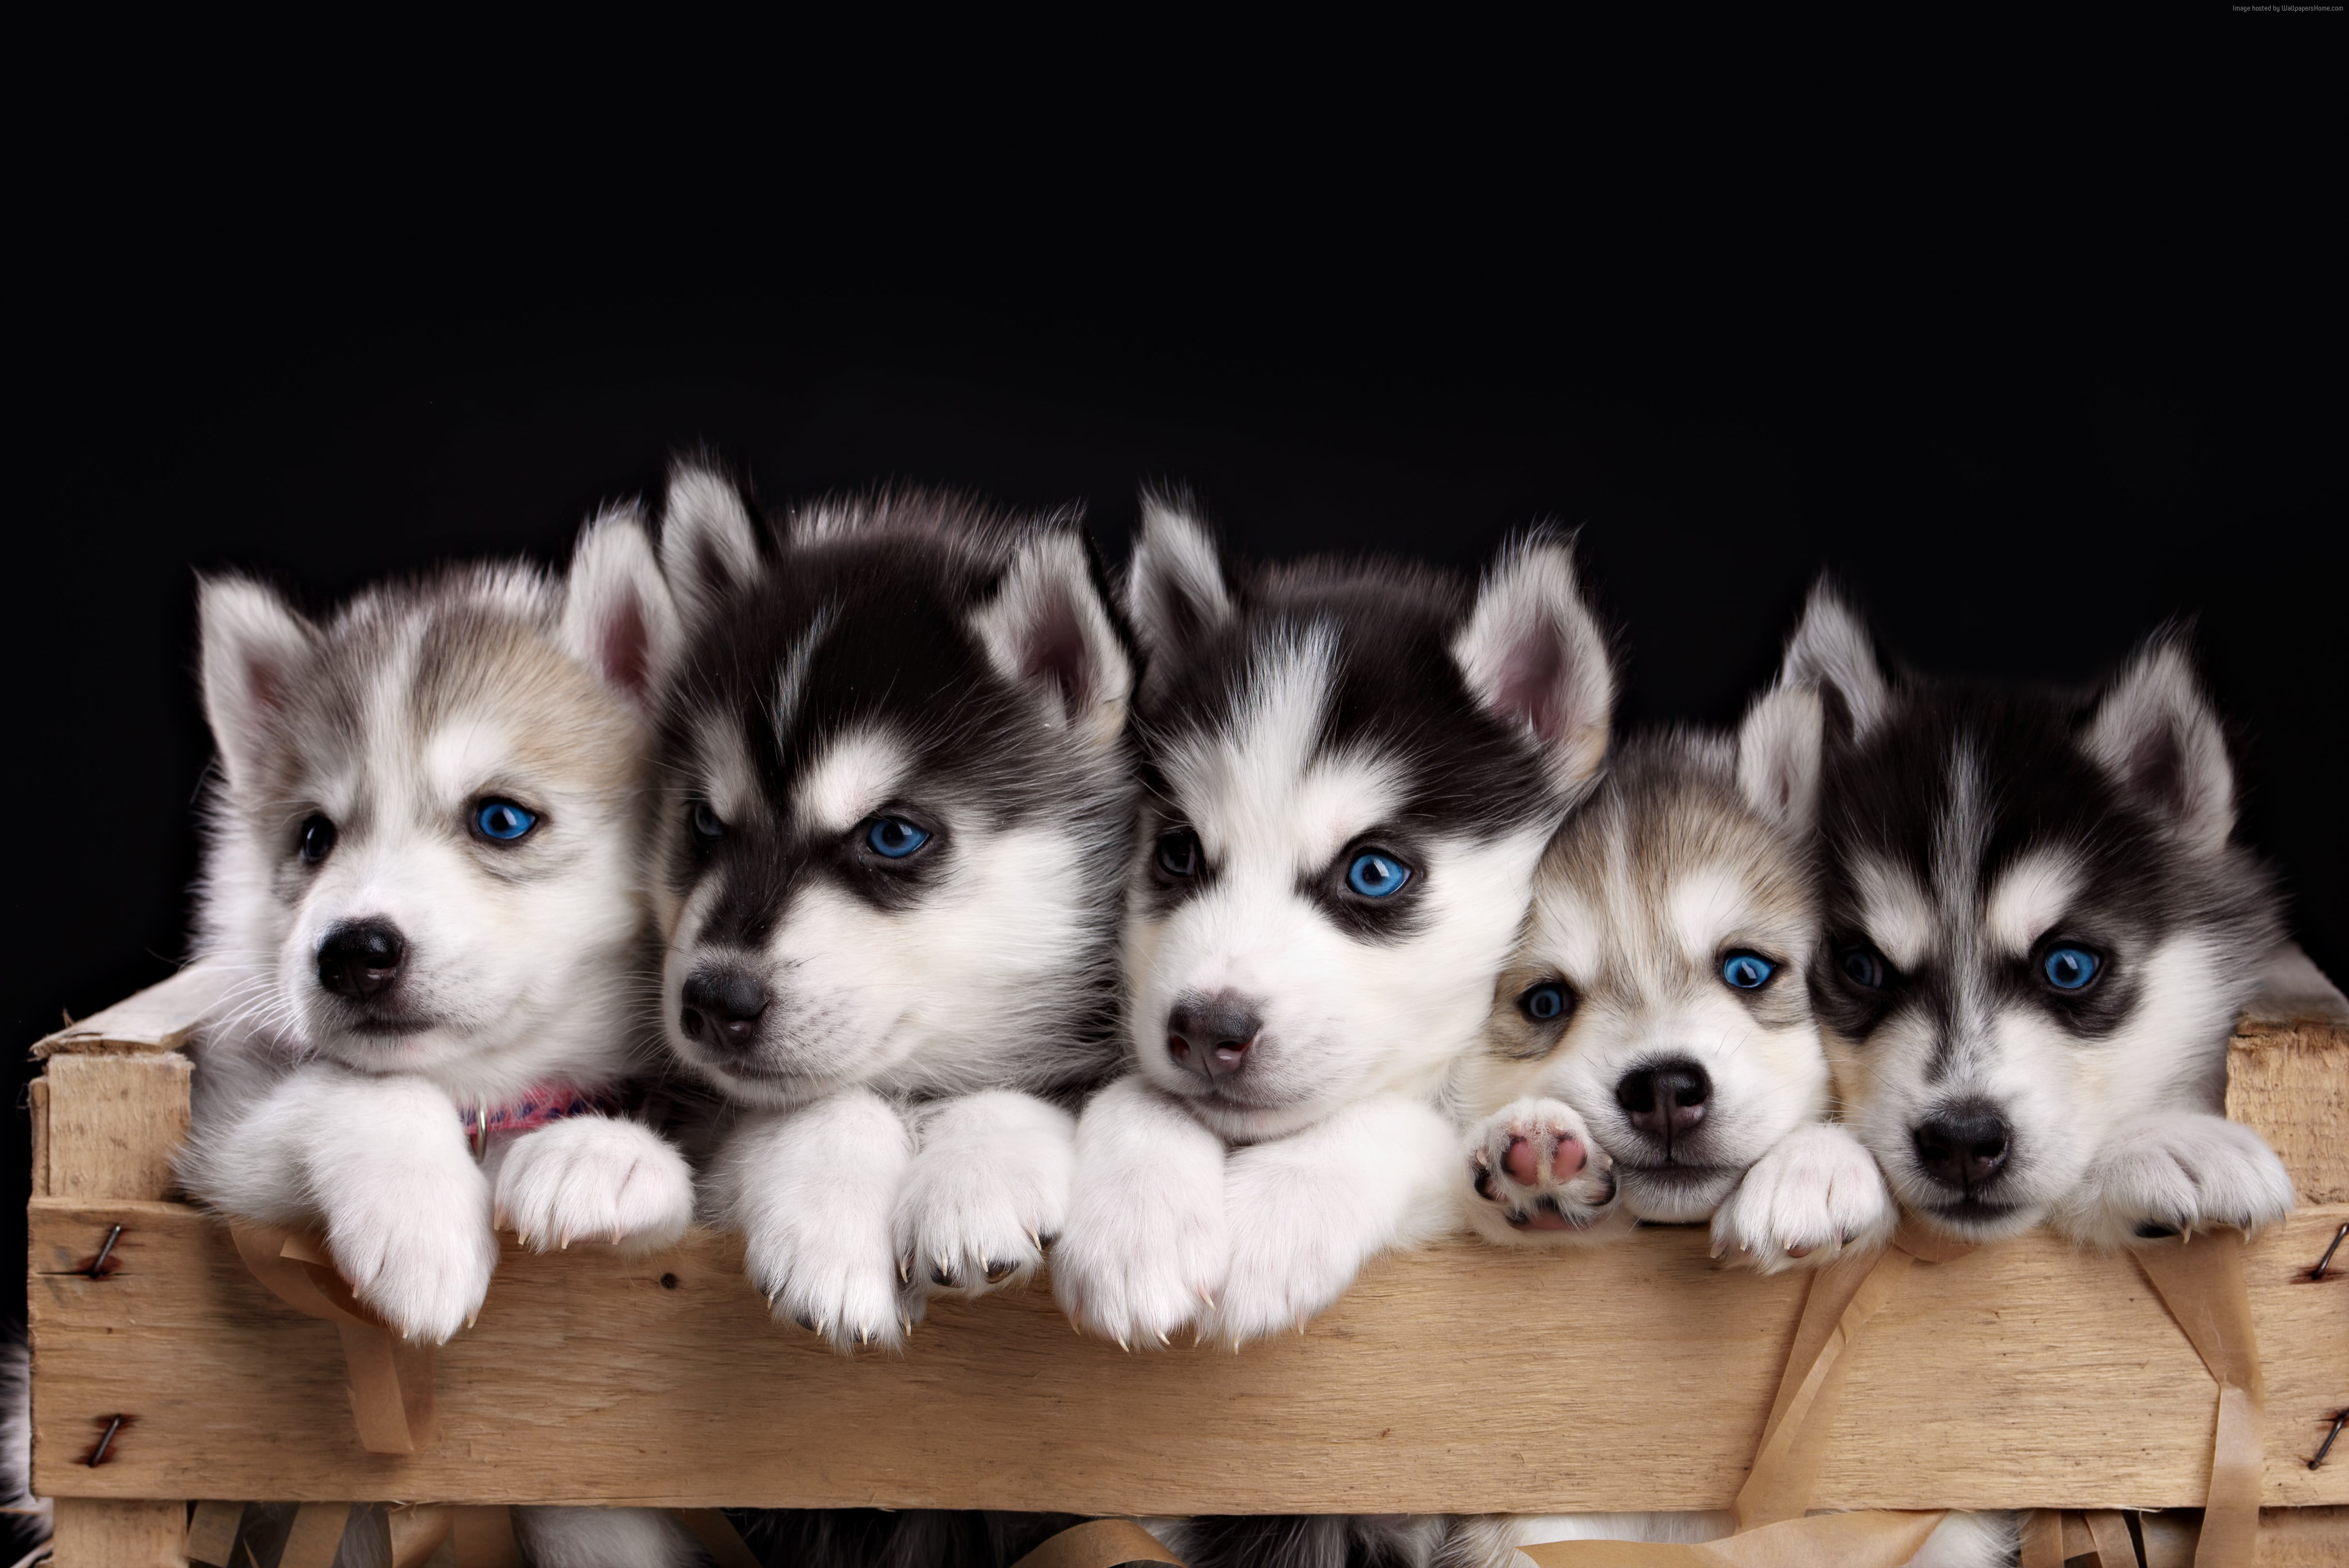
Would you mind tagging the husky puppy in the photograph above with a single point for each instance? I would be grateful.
(1654, 1034)
(2040, 932)
(1657, 1000)
(1349, 773)
(895, 800)
(425, 880)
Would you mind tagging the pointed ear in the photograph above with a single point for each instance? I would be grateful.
(254, 649)
(1779, 749)
(2155, 733)
(709, 546)
(1046, 629)
(1534, 656)
(1832, 651)
(1175, 589)
(617, 617)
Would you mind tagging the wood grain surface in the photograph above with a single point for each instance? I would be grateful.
(2027, 1374)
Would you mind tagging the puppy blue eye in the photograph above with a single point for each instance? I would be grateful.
(1545, 1002)
(707, 822)
(894, 839)
(318, 838)
(503, 820)
(1377, 876)
(1746, 971)
(2071, 968)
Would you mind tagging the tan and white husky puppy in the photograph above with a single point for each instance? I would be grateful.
(425, 884)
(1652, 1036)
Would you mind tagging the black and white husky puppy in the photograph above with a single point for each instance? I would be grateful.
(1348, 775)
(2040, 930)
(895, 802)
(424, 881)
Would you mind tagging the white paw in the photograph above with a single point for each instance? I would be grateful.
(831, 1273)
(988, 1190)
(2178, 1173)
(421, 1252)
(1534, 1176)
(1146, 1245)
(1816, 1195)
(811, 1191)
(596, 1178)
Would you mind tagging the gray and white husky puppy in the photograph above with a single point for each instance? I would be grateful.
(895, 798)
(2040, 930)
(1348, 775)
(425, 881)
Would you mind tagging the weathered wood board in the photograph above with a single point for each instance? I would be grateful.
(2026, 1375)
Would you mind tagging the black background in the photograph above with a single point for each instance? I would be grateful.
(2018, 486)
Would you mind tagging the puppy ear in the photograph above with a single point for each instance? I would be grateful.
(617, 617)
(1175, 589)
(709, 546)
(1048, 629)
(1534, 656)
(1832, 651)
(1779, 749)
(255, 648)
(2155, 733)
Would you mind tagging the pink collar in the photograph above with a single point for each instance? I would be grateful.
(532, 1108)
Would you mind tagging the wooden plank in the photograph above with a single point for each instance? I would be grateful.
(1467, 1379)
(146, 1023)
(2288, 1075)
(114, 1123)
(93, 1532)
(36, 1100)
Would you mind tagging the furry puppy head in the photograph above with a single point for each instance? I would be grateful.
(426, 828)
(1349, 773)
(896, 794)
(2038, 924)
(1659, 987)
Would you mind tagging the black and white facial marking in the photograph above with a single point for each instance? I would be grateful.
(1658, 988)
(1349, 773)
(428, 830)
(2037, 926)
(897, 798)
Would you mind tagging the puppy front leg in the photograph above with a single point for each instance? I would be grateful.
(2174, 1173)
(595, 1178)
(1306, 1212)
(1816, 1193)
(383, 1162)
(1146, 1244)
(812, 1191)
(988, 1190)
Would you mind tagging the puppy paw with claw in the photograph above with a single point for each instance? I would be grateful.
(988, 1187)
(1147, 1245)
(1816, 1194)
(595, 1178)
(2178, 1173)
(420, 1254)
(1536, 1178)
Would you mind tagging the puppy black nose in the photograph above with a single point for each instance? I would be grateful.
(1666, 1099)
(721, 1007)
(1211, 1036)
(361, 959)
(1962, 1146)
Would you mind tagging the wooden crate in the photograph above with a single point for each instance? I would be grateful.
(1459, 1379)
